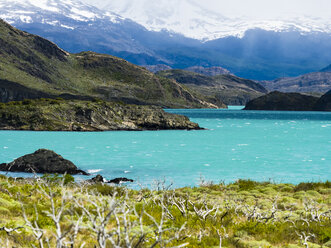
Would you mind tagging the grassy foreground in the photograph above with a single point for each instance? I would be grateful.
(56, 212)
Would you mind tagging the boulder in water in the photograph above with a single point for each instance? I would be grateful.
(42, 161)
(120, 180)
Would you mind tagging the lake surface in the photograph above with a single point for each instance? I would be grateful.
(260, 145)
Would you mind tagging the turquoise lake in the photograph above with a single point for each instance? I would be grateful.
(259, 145)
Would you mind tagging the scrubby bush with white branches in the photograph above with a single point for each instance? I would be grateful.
(56, 212)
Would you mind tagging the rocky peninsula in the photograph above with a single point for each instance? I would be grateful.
(283, 101)
(77, 115)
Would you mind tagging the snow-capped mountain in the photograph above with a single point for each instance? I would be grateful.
(254, 49)
(194, 19)
(48, 11)
(74, 26)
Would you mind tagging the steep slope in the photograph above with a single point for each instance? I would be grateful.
(324, 103)
(31, 62)
(326, 69)
(229, 89)
(283, 101)
(319, 82)
(55, 19)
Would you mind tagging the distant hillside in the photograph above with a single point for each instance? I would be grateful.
(229, 89)
(319, 82)
(326, 69)
(157, 68)
(209, 71)
(33, 66)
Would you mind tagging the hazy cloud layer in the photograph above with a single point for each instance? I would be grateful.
(261, 9)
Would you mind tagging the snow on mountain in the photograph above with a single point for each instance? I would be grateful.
(193, 19)
(48, 12)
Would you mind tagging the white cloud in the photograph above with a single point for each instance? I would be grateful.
(262, 9)
(271, 8)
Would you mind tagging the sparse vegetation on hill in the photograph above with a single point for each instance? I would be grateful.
(34, 67)
(229, 89)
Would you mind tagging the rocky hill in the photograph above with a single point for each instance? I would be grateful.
(318, 82)
(31, 66)
(324, 103)
(283, 101)
(76, 115)
(229, 89)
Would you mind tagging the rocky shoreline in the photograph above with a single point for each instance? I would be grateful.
(77, 115)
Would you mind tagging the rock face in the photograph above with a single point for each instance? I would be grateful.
(97, 179)
(42, 161)
(64, 115)
(324, 103)
(10, 91)
(283, 101)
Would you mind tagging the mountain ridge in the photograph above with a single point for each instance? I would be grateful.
(314, 82)
(34, 63)
(258, 54)
(195, 20)
(226, 88)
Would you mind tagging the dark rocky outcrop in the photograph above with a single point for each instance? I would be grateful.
(101, 179)
(76, 115)
(324, 103)
(120, 180)
(42, 161)
(10, 91)
(283, 101)
(97, 179)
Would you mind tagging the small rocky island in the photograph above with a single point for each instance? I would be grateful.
(77, 115)
(42, 161)
(290, 102)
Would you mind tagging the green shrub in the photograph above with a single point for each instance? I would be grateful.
(312, 186)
